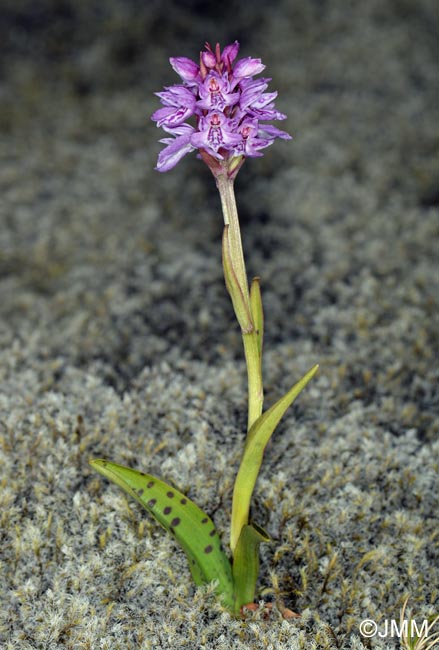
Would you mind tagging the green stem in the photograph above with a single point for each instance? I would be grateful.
(255, 388)
(248, 310)
(252, 347)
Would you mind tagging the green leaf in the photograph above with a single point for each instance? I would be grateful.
(191, 527)
(257, 313)
(253, 355)
(246, 564)
(257, 439)
(238, 293)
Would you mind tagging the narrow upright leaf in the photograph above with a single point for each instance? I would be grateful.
(238, 293)
(257, 439)
(191, 527)
(257, 312)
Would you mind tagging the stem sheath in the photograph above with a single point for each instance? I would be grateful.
(252, 337)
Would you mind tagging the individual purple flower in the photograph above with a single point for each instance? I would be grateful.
(176, 148)
(246, 68)
(179, 104)
(256, 137)
(215, 93)
(230, 52)
(227, 105)
(187, 69)
(252, 93)
(216, 133)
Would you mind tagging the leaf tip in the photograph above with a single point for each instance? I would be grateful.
(97, 462)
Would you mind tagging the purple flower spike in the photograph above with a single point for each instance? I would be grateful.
(227, 105)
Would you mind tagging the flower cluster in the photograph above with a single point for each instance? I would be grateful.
(228, 105)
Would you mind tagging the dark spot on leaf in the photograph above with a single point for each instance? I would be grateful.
(208, 549)
(205, 520)
(183, 502)
(175, 521)
(140, 492)
(142, 473)
(212, 533)
(170, 495)
(150, 484)
(151, 503)
(167, 510)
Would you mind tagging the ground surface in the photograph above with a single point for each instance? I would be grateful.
(117, 337)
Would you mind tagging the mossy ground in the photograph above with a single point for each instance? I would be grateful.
(118, 340)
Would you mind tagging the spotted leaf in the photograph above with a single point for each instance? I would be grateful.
(191, 527)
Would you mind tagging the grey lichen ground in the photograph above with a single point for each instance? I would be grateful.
(118, 340)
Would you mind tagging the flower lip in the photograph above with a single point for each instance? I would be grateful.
(215, 93)
(228, 107)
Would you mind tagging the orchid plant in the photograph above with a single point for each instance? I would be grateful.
(229, 109)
